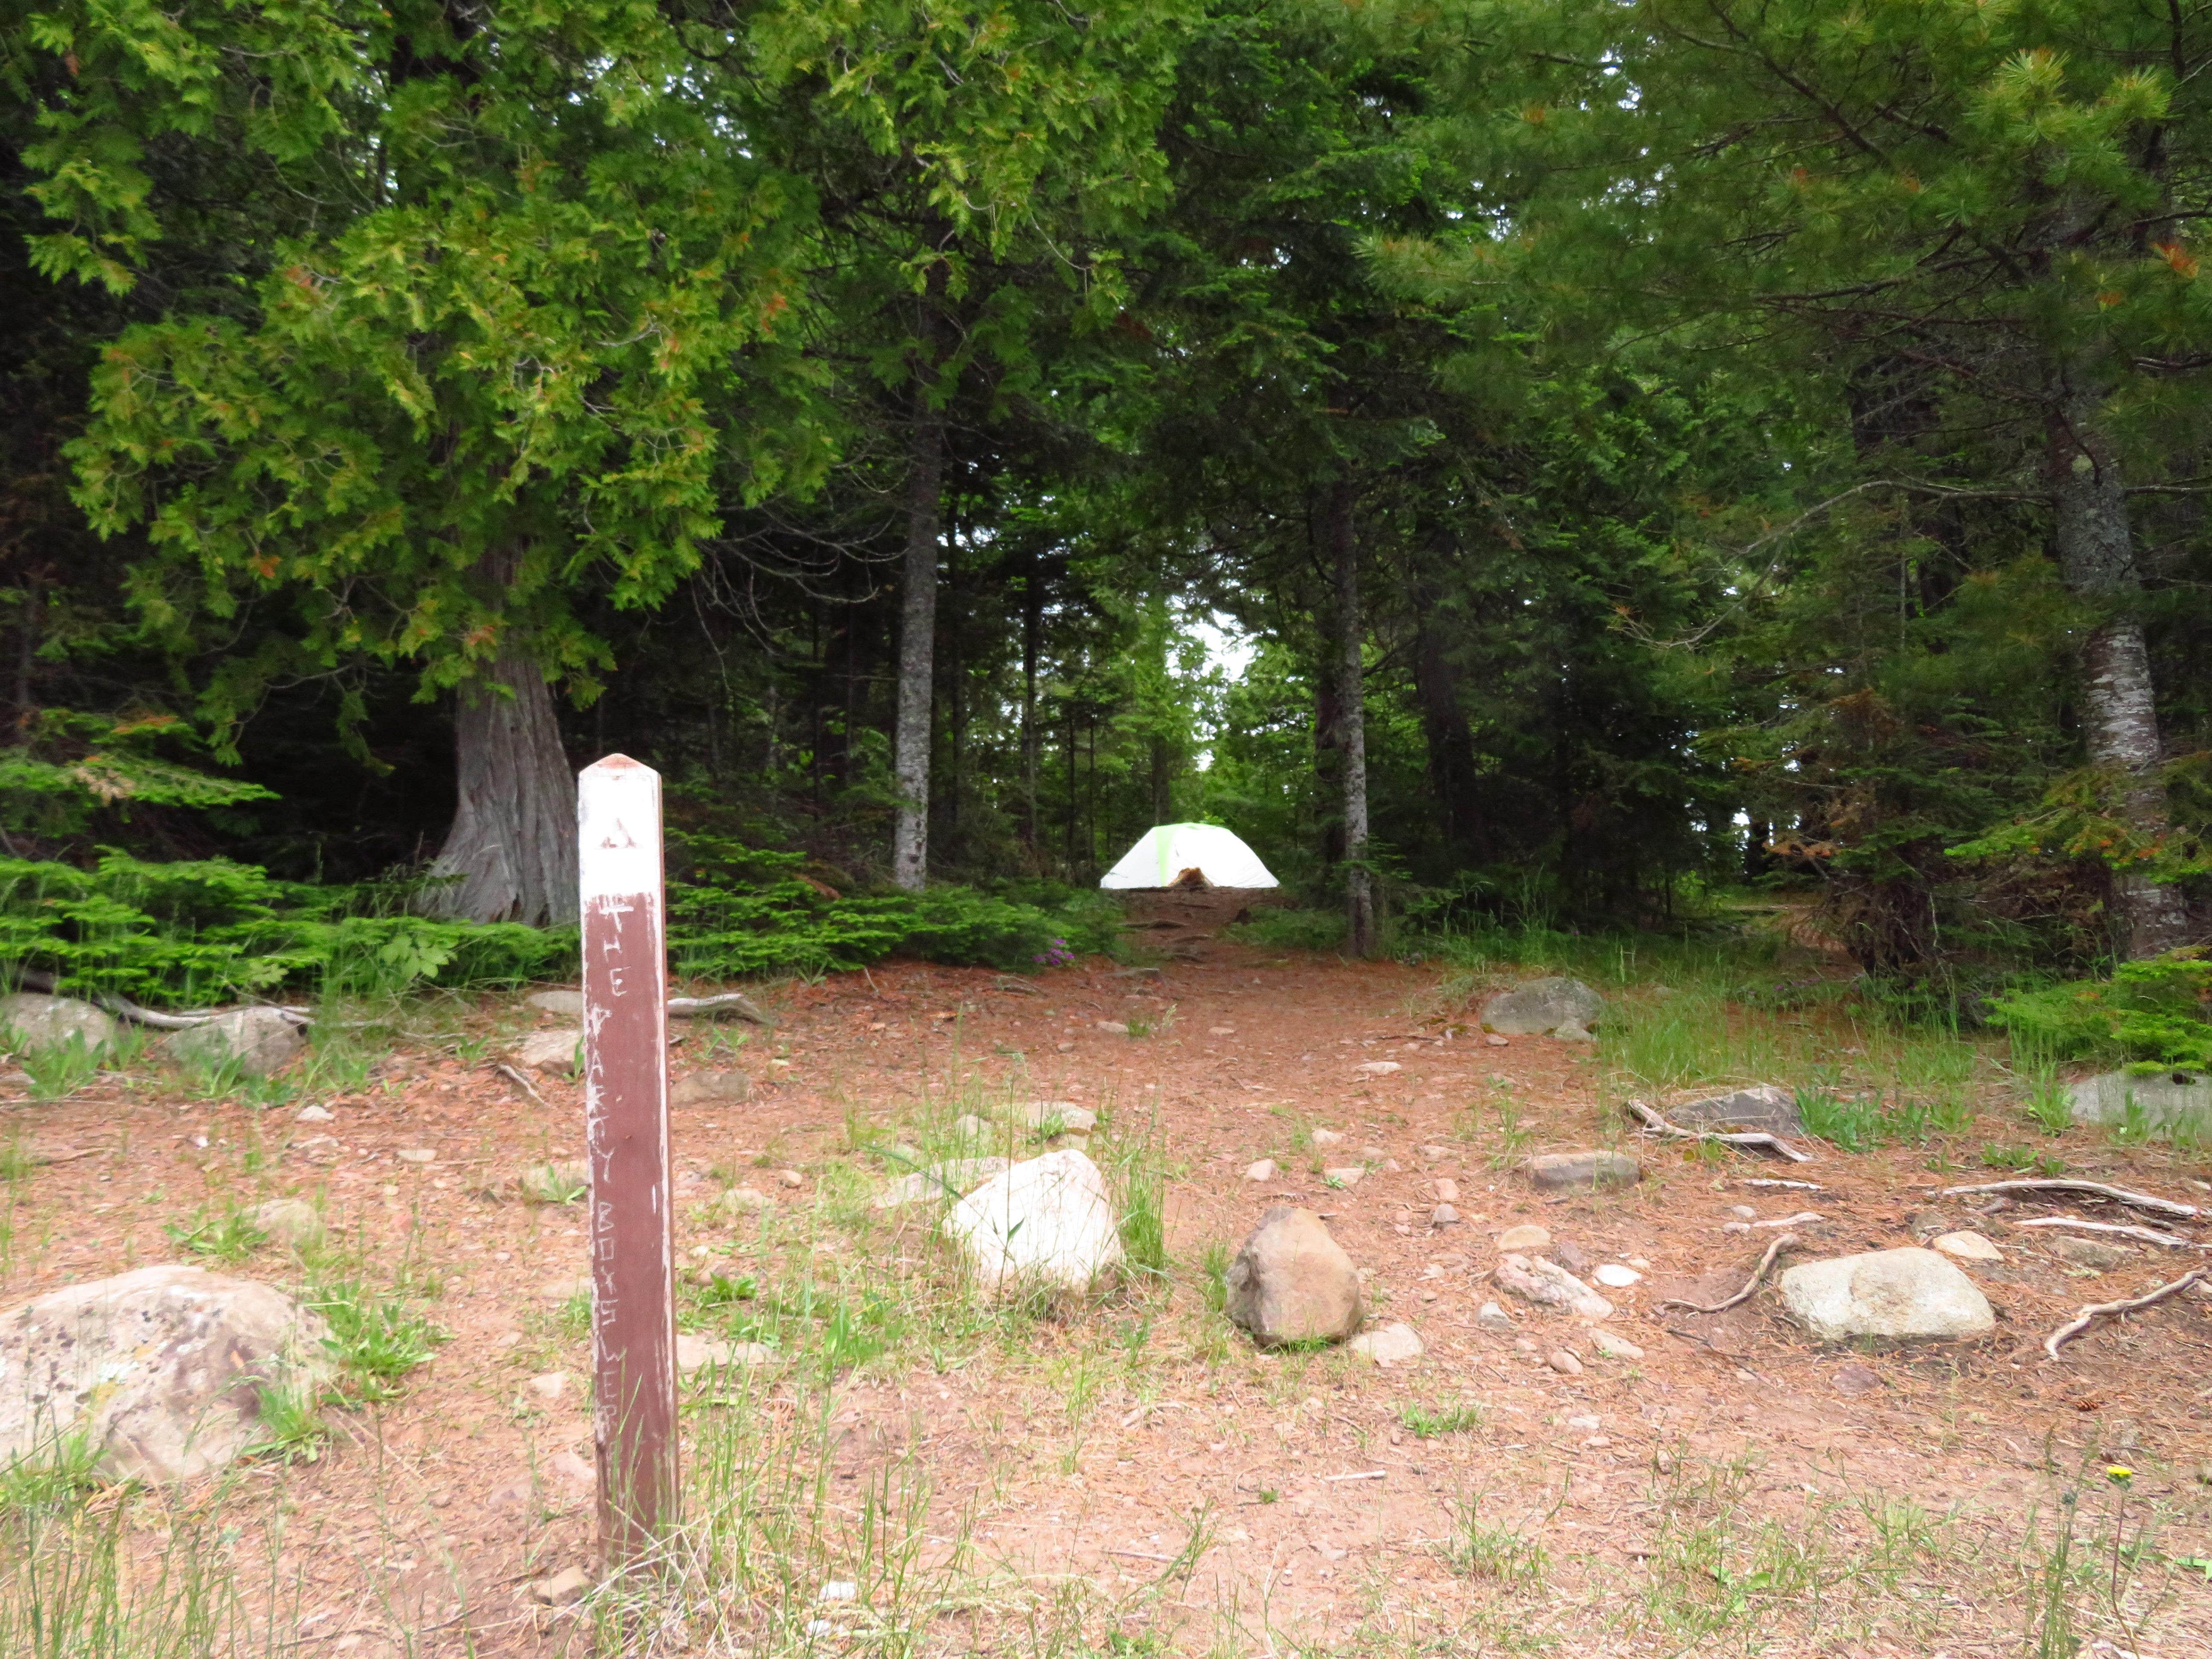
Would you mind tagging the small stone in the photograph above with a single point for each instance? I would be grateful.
(570, 1005)
(1522, 1345)
(790, 1178)
(418, 1155)
(1491, 1318)
(1221, 1031)
(1114, 1026)
(1524, 1239)
(548, 1051)
(1614, 1346)
(1292, 1282)
(1443, 1215)
(839, 1589)
(1560, 1171)
(1570, 1256)
(1496, 1040)
(1390, 1346)
(1347, 1174)
(1616, 1277)
(722, 1086)
(1967, 1247)
(1855, 1380)
(1446, 1190)
(1263, 1169)
(1434, 1154)
(1058, 1116)
(2093, 1253)
(1924, 1224)
(564, 1589)
(1564, 1363)
(314, 1115)
(1327, 1138)
(551, 1385)
(292, 1222)
(745, 1200)
(1745, 1211)
(1378, 1067)
(1548, 1284)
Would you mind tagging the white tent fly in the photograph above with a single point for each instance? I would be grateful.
(1167, 853)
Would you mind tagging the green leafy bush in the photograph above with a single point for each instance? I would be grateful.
(2157, 1012)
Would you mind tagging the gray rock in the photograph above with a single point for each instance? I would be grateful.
(1061, 1116)
(1924, 1224)
(1547, 1284)
(1560, 1172)
(1263, 1169)
(1899, 1296)
(2091, 1252)
(1615, 1346)
(292, 1222)
(548, 1051)
(952, 1179)
(569, 1004)
(2158, 1100)
(259, 1040)
(1564, 1363)
(160, 1370)
(1766, 1107)
(1047, 1223)
(713, 1088)
(1544, 1004)
(564, 1589)
(1292, 1282)
(1491, 1318)
(45, 1022)
(1444, 1215)
(1393, 1345)
(1570, 1256)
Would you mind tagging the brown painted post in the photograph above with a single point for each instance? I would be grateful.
(626, 1109)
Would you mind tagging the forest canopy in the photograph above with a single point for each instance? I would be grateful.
(1548, 462)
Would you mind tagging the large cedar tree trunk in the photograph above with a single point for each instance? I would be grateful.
(514, 841)
(917, 670)
(2119, 710)
(1351, 719)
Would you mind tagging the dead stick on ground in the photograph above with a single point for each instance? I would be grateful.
(1654, 1124)
(1751, 1284)
(2165, 1206)
(2089, 1316)
(513, 1076)
(2117, 1230)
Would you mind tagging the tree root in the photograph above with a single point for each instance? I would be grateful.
(729, 1002)
(2090, 1315)
(1781, 1244)
(2116, 1230)
(2143, 1201)
(1654, 1124)
(31, 979)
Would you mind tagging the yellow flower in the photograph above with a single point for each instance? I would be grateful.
(2119, 1472)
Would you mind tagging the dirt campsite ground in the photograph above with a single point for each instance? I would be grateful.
(908, 1471)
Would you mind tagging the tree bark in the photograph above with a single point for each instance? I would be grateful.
(1032, 740)
(917, 649)
(1351, 717)
(2095, 547)
(1450, 739)
(510, 854)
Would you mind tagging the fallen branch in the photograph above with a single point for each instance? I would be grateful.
(2144, 1201)
(2089, 1316)
(733, 1002)
(123, 1008)
(2118, 1230)
(1654, 1124)
(1782, 1221)
(1781, 1242)
(515, 1077)
(1794, 1185)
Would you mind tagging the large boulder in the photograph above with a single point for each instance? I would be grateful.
(1896, 1296)
(1582, 1171)
(1565, 1006)
(160, 1370)
(2163, 1100)
(256, 1040)
(1047, 1223)
(45, 1022)
(1763, 1107)
(1291, 1281)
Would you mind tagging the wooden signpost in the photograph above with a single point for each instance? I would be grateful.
(626, 1109)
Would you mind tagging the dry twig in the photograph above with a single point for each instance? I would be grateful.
(1781, 1242)
(515, 1077)
(2090, 1315)
(1654, 1124)
(1794, 1185)
(2144, 1201)
(2118, 1230)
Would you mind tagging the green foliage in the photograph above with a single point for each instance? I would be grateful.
(1272, 929)
(378, 1336)
(2156, 1012)
(70, 769)
(228, 1236)
(1427, 1422)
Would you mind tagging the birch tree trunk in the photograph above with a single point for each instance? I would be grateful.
(513, 846)
(1351, 719)
(2119, 710)
(917, 673)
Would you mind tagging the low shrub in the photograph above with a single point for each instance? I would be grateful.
(2157, 1013)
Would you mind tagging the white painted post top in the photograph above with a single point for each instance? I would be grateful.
(618, 825)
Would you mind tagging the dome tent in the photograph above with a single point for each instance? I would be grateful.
(1166, 855)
